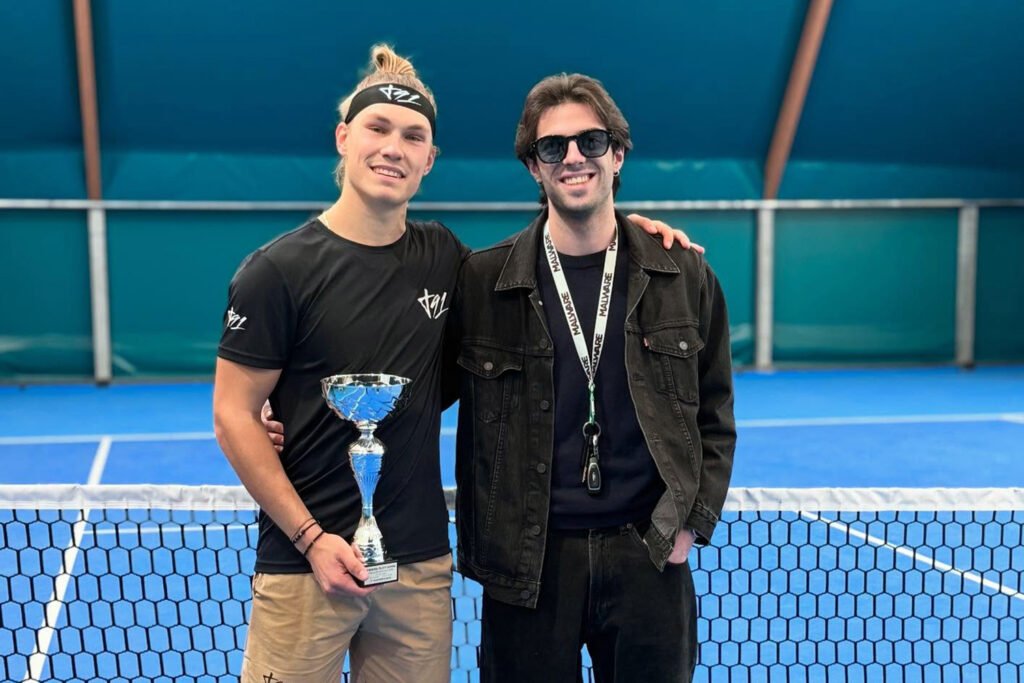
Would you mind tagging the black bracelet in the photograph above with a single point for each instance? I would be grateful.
(303, 528)
(316, 538)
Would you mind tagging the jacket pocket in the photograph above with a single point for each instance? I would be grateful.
(493, 371)
(495, 377)
(674, 352)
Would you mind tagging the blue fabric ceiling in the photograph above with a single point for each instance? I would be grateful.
(919, 84)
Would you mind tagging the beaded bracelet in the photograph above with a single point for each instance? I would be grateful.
(303, 528)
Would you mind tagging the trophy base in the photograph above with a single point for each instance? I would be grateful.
(379, 574)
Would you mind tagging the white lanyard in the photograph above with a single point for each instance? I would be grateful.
(588, 360)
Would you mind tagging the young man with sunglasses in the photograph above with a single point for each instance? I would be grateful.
(596, 430)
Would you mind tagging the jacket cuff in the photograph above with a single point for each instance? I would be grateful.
(703, 522)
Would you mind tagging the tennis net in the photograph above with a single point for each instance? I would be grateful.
(152, 583)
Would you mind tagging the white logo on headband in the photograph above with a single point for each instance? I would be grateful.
(396, 94)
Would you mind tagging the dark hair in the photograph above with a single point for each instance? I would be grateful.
(561, 89)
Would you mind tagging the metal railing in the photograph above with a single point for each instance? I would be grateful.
(967, 248)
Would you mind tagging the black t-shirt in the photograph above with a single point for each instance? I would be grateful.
(631, 484)
(314, 304)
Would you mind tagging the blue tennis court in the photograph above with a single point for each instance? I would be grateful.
(787, 592)
(921, 427)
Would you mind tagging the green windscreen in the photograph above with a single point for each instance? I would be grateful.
(999, 320)
(46, 321)
(169, 275)
(859, 286)
(865, 286)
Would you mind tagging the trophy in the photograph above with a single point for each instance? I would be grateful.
(366, 400)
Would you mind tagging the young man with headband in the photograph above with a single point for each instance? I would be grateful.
(596, 429)
(343, 294)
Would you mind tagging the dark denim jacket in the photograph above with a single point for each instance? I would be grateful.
(680, 380)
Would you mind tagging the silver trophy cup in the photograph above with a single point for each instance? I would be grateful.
(366, 400)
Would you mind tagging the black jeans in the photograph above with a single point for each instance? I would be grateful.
(598, 588)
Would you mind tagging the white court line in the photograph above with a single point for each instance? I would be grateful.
(450, 431)
(99, 462)
(881, 419)
(858, 420)
(55, 605)
(916, 556)
(95, 438)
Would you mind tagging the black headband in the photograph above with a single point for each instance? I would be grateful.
(392, 93)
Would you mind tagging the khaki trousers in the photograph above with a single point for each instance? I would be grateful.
(400, 632)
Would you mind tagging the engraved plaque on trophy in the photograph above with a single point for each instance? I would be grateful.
(365, 400)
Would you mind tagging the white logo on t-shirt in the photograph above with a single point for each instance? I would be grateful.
(235, 321)
(433, 304)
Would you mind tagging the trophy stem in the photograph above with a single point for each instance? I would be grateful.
(369, 452)
(367, 456)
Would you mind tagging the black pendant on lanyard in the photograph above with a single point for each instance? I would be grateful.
(591, 458)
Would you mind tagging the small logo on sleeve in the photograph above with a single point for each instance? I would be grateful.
(433, 304)
(235, 321)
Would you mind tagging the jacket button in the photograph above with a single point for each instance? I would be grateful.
(488, 366)
(545, 404)
(542, 468)
(543, 343)
(525, 595)
(535, 530)
(683, 345)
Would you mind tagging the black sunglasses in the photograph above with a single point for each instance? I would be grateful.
(552, 148)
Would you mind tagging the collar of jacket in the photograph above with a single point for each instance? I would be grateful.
(520, 269)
